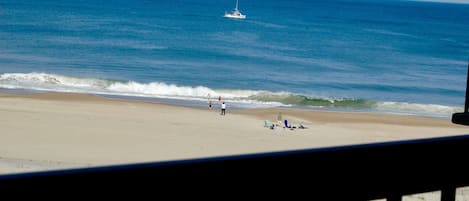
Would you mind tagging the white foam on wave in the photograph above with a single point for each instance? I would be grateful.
(47, 80)
(163, 89)
(60, 83)
(432, 110)
(157, 88)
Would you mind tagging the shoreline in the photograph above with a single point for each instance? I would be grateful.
(75, 130)
(203, 104)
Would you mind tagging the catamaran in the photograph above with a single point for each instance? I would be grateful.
(235, 13)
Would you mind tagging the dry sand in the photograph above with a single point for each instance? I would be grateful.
(60, 130)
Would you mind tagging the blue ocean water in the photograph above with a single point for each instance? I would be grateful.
(388, 56)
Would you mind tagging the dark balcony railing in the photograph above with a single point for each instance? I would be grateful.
(357, 172)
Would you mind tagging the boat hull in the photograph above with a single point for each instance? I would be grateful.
(235, 16)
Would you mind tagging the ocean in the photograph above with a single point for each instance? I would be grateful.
(391, 56)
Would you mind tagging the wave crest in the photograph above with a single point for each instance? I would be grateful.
(302, 100)
(39, 79)
(158, 88)
(53, 82)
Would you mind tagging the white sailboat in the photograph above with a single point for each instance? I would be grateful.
(235, 13)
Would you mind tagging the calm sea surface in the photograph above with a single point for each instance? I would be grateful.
(399, 57)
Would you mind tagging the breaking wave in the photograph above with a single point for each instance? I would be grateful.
(243, 98)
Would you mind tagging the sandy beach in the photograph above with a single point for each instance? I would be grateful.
(61, 130)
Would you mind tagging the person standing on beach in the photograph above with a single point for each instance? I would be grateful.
(223, 108)
(209, 101)
(219, 101)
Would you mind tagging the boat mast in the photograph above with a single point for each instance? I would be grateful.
(236, 5)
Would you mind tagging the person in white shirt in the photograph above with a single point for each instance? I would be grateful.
(223, 108)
